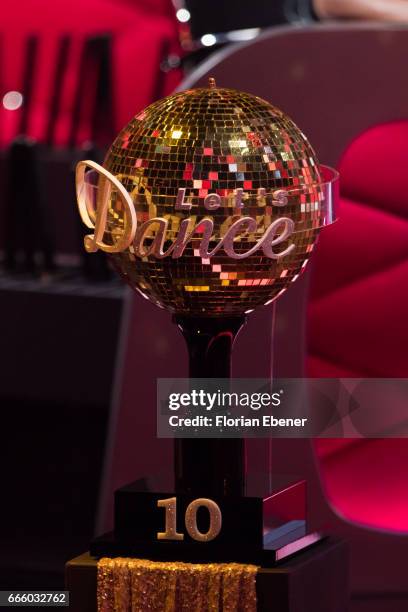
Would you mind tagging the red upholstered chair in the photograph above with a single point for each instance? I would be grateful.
(357, 319)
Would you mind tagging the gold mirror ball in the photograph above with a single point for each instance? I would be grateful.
(235, 190)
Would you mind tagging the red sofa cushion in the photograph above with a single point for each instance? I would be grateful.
(357, 319)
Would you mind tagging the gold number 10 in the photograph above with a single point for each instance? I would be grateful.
(170, 505)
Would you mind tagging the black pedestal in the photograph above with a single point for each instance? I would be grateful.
(264, 526)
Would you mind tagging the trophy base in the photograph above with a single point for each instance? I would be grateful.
(264, 526)
(316, 579)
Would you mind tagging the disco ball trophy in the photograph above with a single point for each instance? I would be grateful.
(209, 203)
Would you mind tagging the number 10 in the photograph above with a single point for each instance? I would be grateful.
(190, 519)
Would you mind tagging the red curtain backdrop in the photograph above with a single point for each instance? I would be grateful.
(138, 28)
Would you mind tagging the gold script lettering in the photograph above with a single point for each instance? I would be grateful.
(96, 219)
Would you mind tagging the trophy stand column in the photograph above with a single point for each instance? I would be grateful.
(216, 466)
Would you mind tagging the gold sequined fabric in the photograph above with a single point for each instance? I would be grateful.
(138, 585)
(214, 141)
